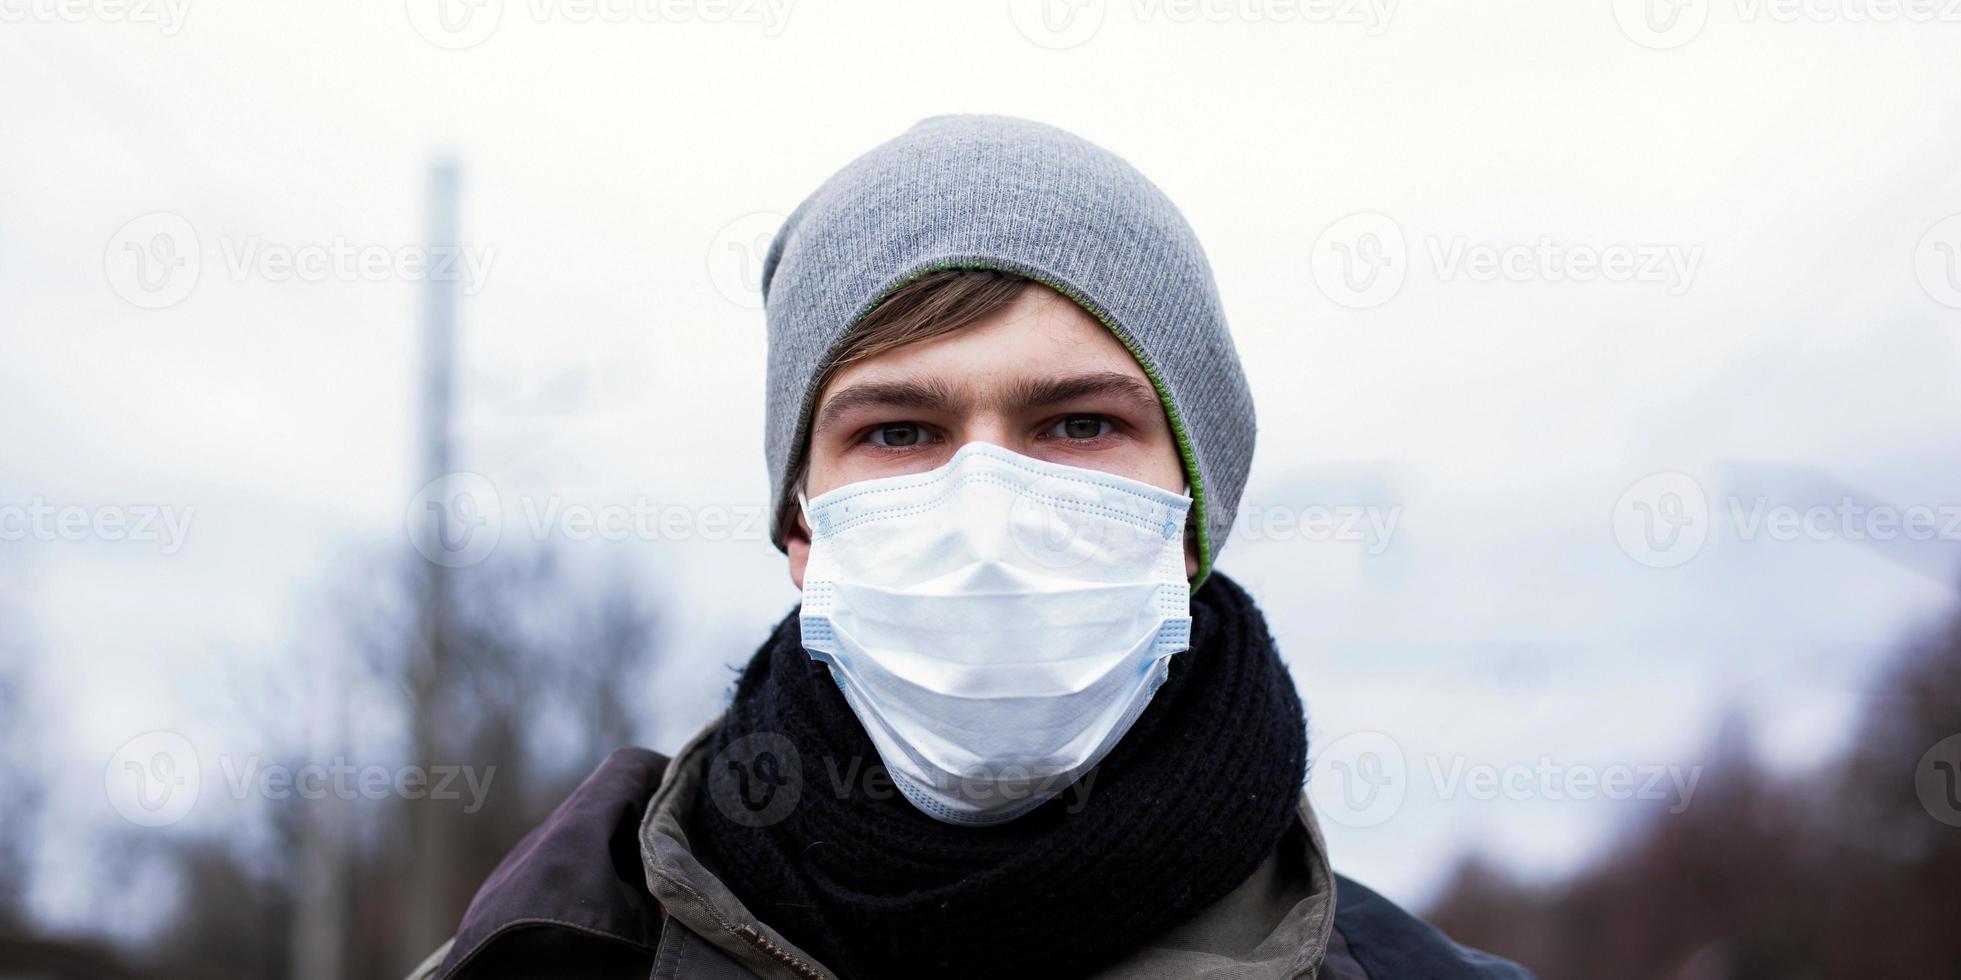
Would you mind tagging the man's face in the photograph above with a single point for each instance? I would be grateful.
(1041, 378)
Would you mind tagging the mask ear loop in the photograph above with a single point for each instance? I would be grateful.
(803, 507)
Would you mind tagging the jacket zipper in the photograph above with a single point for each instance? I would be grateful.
(779, 954)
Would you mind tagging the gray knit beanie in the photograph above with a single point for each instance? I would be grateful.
(994, 192)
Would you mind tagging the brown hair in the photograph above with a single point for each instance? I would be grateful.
(933, 305)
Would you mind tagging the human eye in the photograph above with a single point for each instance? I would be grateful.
(1080, 428)
(899, 435)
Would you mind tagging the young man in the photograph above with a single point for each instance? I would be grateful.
(1018, 726)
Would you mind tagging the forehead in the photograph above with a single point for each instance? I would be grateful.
(1042, 334)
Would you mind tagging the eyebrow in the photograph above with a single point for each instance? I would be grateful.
(935, 395)
(931, 396)
(1044, 392)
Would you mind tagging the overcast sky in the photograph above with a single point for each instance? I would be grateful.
(1604, 246)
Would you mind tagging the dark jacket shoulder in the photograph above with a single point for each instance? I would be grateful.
(571, 898)
(1374, 939)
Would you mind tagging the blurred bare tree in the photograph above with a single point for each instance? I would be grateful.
(24, 949)
(535, 685)
(542, 683)
(20, 787)
(1844, 873)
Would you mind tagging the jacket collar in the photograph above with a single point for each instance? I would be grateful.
(694, 896)
(577, 870)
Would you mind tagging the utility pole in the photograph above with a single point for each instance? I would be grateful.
(324, 834)
(430, 918)
(323, 902)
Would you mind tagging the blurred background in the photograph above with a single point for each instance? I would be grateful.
(381, 425)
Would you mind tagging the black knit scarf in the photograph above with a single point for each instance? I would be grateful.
(1185, 808)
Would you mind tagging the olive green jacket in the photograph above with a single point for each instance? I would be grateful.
(609, 887)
